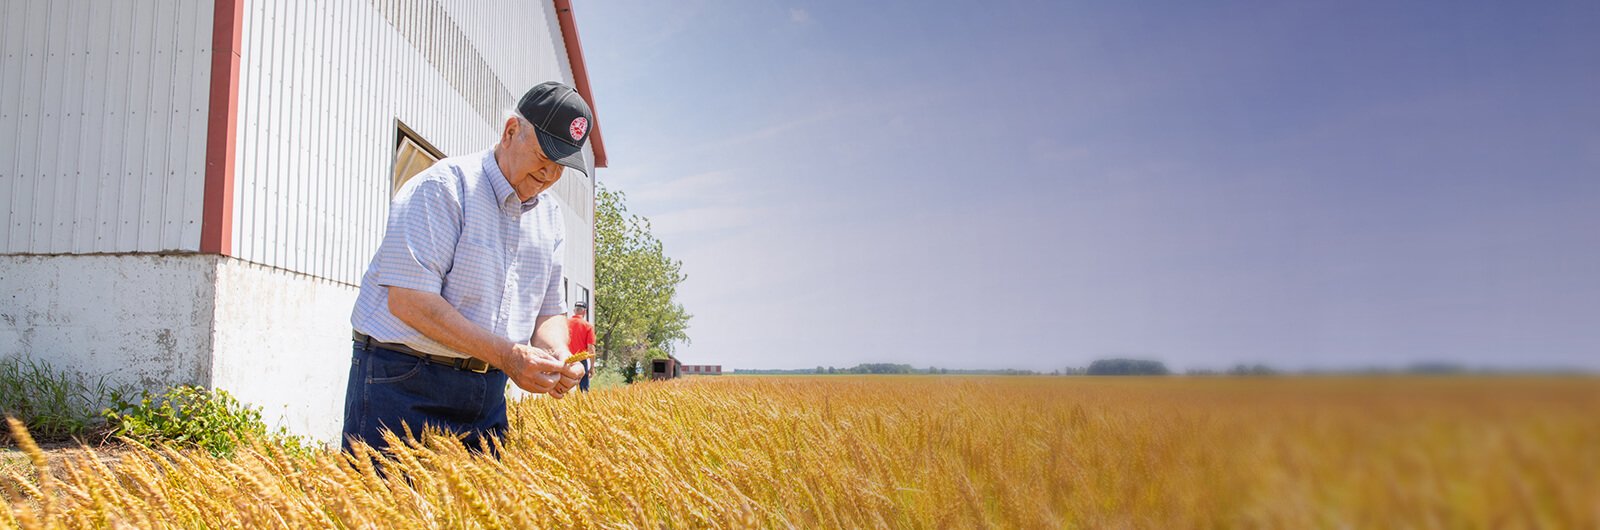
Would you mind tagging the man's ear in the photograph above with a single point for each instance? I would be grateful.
(512, 128)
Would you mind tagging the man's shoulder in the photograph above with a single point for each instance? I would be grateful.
(470, 162)
(453, 175)
(455, 169)
(447, 172)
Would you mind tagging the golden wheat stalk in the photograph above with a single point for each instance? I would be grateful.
(912, 452)
(579, 357)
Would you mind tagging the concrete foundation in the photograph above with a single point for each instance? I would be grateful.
(275, 339)
(141, 319)
(282, 342)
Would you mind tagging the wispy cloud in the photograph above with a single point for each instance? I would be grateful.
(799, 16)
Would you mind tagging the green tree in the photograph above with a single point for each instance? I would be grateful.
(636, 315)
(1127, 367)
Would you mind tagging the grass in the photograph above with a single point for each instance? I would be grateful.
(55, 405)
(607, 380)
(916, 452)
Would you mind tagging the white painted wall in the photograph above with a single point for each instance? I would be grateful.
(142, 320)
(102, 124)
(282, 343)
(578, 255)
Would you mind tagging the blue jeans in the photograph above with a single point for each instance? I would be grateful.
(390, 389)
(583, 384)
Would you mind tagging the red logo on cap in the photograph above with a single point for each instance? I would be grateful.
(579, 126)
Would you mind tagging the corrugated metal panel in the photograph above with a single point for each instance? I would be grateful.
(322, 86)
(23, 69)
(484, 21)
(102, 113)
(114, 95)
(48, 114)
(576, 195)
(578, 256)
(13, 26)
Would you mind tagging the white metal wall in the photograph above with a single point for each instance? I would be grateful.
(102, 124)
(577, 201)
(321, 85)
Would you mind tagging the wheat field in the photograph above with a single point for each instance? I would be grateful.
(912, 452)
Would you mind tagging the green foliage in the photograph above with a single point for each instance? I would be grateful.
(606, 379)
(885, 369)
(189, 415)
(53, 405)
(1127, 367)
(637, 318)
(1252, 369)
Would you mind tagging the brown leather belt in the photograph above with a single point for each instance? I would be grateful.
(470, 364)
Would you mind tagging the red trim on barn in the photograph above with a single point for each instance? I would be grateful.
(580, 74)
(222, 128)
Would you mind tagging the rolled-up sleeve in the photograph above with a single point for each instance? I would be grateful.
(419, 244)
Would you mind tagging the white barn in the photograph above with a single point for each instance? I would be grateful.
(193, 188)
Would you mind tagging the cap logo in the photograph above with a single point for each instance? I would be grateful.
(578, 127)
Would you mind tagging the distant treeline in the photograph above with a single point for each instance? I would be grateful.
(1424, 368)
(884, 368)
(1139, 367)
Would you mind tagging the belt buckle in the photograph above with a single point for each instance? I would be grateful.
(477, 366)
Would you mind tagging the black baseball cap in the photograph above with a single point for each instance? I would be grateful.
(562, 120)
(580, 305)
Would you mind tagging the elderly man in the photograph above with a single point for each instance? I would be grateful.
(465, 290)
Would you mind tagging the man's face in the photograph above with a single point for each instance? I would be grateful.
(524, 163)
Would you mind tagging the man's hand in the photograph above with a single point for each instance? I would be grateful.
(571, 374)
(533, 369)
(541, 371)
(550, 333)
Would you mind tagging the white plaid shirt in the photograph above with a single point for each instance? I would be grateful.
(457, 229)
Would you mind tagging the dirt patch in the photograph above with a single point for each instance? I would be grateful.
(13, 461)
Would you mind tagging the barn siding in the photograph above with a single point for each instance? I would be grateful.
(321, 89)
(102, 125)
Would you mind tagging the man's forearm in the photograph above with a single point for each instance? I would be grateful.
(430, 314)
(550, 333)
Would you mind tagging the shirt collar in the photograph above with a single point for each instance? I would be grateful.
(503, 192)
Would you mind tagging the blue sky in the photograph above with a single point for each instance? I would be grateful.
(1041, 184)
